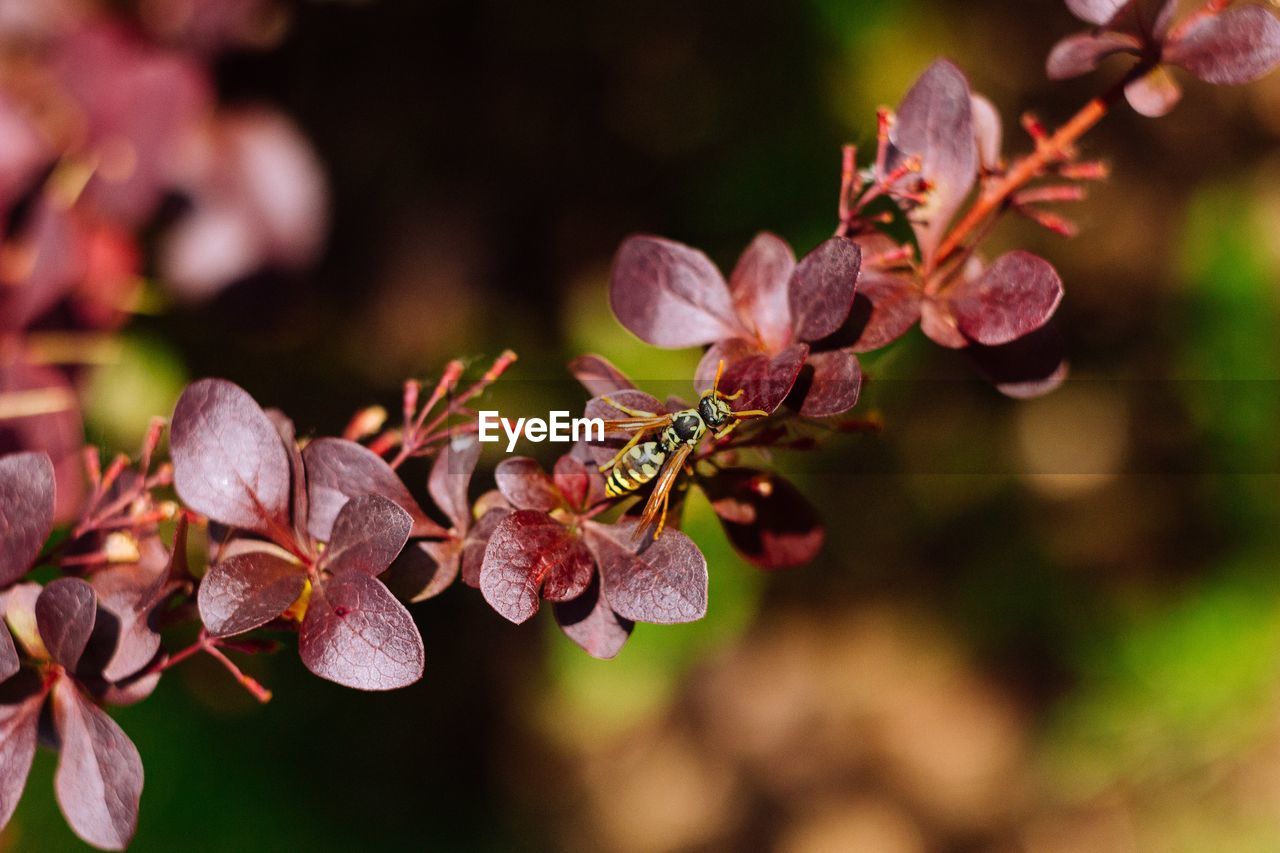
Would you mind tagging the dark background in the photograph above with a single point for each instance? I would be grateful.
(1045, 625)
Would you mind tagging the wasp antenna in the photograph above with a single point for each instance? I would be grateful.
(715, 386)
(752, 413)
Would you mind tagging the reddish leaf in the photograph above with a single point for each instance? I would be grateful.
(1238, 45)
(26, 512)
(670, 295)
(450, 479)
(530, 556)
(665, 583)
(258, 197)
(136, 98)
(471, 562)
(523, 482)
(99, 778)
(128, 594)
(1095, 11)
(1015, 296)
(1083, 52)
(765, 381)
(356, 634)
(885, 309)
(934, 122)
(59, 432)
(228, 461)
(821, 291)
(424, 569)
(759, 288)
(590, 622)
(598, 375)
(22, 153)
(367, 535)
(299, 508)
(247, 591)
(20, 614)
(1028, 367)
(767, 519)
(988, 131)
(338, 470)
(9, 662)
(582, 485)
(1154, 94)
(1147, 19)
(939, 324)
(53, 240)
(833, 381)
(19, 722)
(65, 613)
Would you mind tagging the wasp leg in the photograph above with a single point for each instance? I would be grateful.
(662, 518)
(735, 395)
(617, 457)
(627, 410)
(726, 429)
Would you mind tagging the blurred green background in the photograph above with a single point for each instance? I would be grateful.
(1047, 625)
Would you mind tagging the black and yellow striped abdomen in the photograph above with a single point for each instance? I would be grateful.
(640, 465)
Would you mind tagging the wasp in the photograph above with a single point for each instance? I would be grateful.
(663, 457)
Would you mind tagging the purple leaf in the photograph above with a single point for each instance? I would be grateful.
(20, 614)
(598, 375)
(356, 634)
(9, 662)
(299, 509)
(1147, 19)
(1015, 296)
(935, 123)
(1153, 94)
(247, 591)
(834, 380)
(65, 613)
(228, 461)
(887, 303)
(988, 131)
(590, 622)
(767, 519)
(523, 482)
(19, 723)
(450, 479)
(759, 288)
(368, 533)
(131, 92)
(26, 512)
(531, 556)
(424, 569)
(60, 433)
(129, 593)
(939, 325)
(1095, 11)
(474, 546)
(665, 583)
(99, 777)
(822, 288)
(670, 295)
(1238, 45)
(582, 485)
(1083, 52)
(338, 470)
(1028, 367)
(765, 381)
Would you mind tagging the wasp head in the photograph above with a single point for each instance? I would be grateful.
(714, 410)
